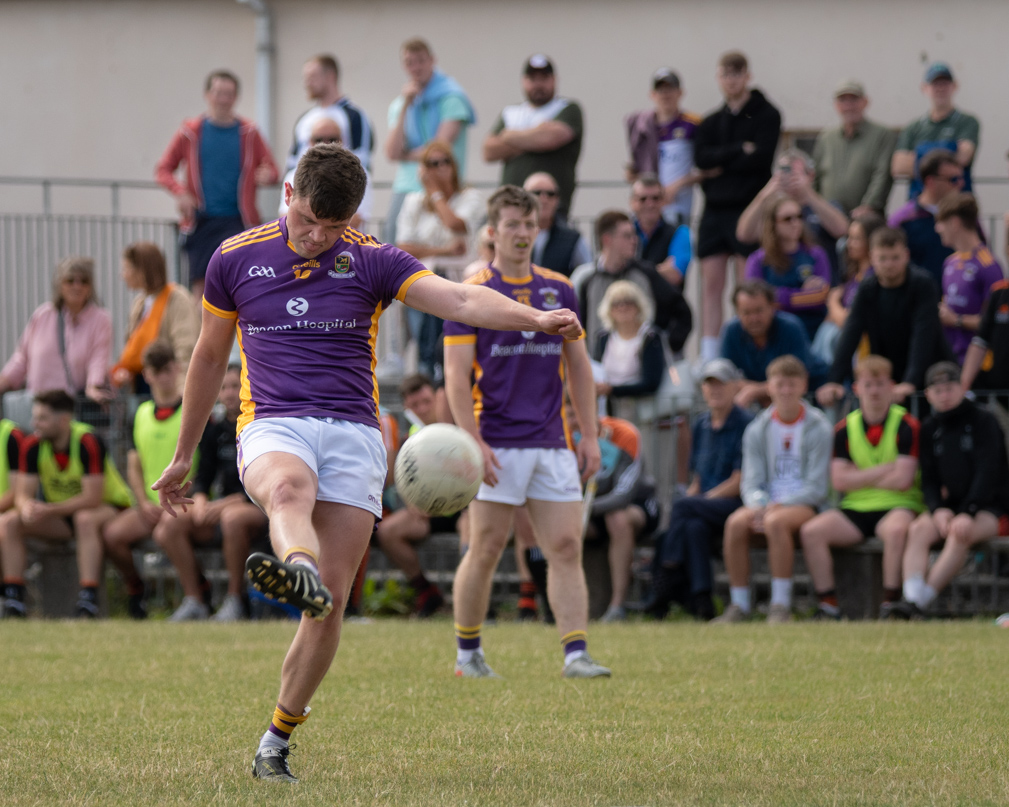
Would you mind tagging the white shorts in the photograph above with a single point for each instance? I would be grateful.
(547, 474)
(348, 458)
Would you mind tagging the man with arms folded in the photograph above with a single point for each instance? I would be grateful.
(515, 412)
(964, 477)
(310, 450)
(786, 456)
(875, 468)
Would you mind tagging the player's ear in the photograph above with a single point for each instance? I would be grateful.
(288, 193)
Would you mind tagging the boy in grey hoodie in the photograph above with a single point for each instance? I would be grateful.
(785, 481)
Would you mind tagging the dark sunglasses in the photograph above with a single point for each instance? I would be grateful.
(548, 194)
(436, 163)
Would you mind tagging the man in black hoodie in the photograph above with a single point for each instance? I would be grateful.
(734, 149)
(964, 475)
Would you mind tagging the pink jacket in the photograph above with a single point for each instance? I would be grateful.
(36, 363)
(185, 147)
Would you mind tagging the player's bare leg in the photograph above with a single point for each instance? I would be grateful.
(286, 488)
(558, 527)
(489, 523)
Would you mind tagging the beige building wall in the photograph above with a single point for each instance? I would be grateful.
(94, 88)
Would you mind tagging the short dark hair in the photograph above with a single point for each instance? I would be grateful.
(149, 260)
(227, 75)
(332, 180)
(414, 383)
(158, 355)
(734, 61)
(754, 288)
(934, 160)
(608, 221)
(56, 399)
(510, 196)
(962, 206)
(327, 63)
(887, 237)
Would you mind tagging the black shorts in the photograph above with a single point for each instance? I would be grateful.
(865, 521)
(716, 234)
(652, 515)
(205, 239)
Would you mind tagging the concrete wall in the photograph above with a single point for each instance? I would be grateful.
(94, 88)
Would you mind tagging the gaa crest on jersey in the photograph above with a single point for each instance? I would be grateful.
(341, 266)
(550, 298)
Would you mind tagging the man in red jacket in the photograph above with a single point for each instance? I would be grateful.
(225, 159)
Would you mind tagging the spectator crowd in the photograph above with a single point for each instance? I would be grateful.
(847, 316)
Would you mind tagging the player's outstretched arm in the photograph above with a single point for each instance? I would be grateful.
(203, 384)
(485, 308)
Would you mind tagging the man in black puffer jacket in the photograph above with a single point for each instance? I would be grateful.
(965, 481)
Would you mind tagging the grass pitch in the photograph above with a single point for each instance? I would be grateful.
(121, 713)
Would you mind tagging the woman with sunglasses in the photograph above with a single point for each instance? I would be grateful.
(438, 226)
(67, 343)
(791, 261)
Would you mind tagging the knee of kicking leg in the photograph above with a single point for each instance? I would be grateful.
(290, 494)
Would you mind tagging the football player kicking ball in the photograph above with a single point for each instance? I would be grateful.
(515, 413)
(304, 294)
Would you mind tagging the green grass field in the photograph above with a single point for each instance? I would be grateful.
(121, 713)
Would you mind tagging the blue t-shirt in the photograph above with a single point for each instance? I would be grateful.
(220, 168)
(715, 454)
(787, 335)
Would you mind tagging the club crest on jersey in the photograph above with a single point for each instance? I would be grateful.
(550, 298)
(341, 266)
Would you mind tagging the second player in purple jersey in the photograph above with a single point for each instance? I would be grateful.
(967, 278)
(326, 318)
(510, 364)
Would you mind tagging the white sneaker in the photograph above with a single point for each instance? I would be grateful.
(192, 608)
(615, 613)
(231, 610)
(586, 667)
(476, 667)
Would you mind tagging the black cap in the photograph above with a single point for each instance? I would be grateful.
(943, 372)
(538, 63)
(665, 76)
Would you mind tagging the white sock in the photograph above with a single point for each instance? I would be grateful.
(709, 348)
(912, 587)
(781, 591)
(926, 596)
(740, 596)
(574, 654)
(465, 656)
(271, 740)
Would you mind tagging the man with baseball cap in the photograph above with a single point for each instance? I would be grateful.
(853, 159)
(682, 570)
(942, 127)
(964, 478)
(542, 134)
(661, 142)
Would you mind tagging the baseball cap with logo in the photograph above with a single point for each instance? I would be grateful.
(722, 369)
(938, 70)
(665, 76)
(538, 63)
(943, 372)
(850, 87)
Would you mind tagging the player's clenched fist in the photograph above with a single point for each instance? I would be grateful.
(562, 322)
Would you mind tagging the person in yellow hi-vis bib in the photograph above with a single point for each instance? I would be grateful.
(152, 437)
(10, 454)
(81, 489)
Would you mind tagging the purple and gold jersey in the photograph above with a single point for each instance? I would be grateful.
(519, 388)
(307, 328)
(967, 278)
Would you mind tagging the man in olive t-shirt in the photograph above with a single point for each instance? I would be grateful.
(542, 134)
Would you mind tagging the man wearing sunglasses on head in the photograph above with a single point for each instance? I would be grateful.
(557, 246)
